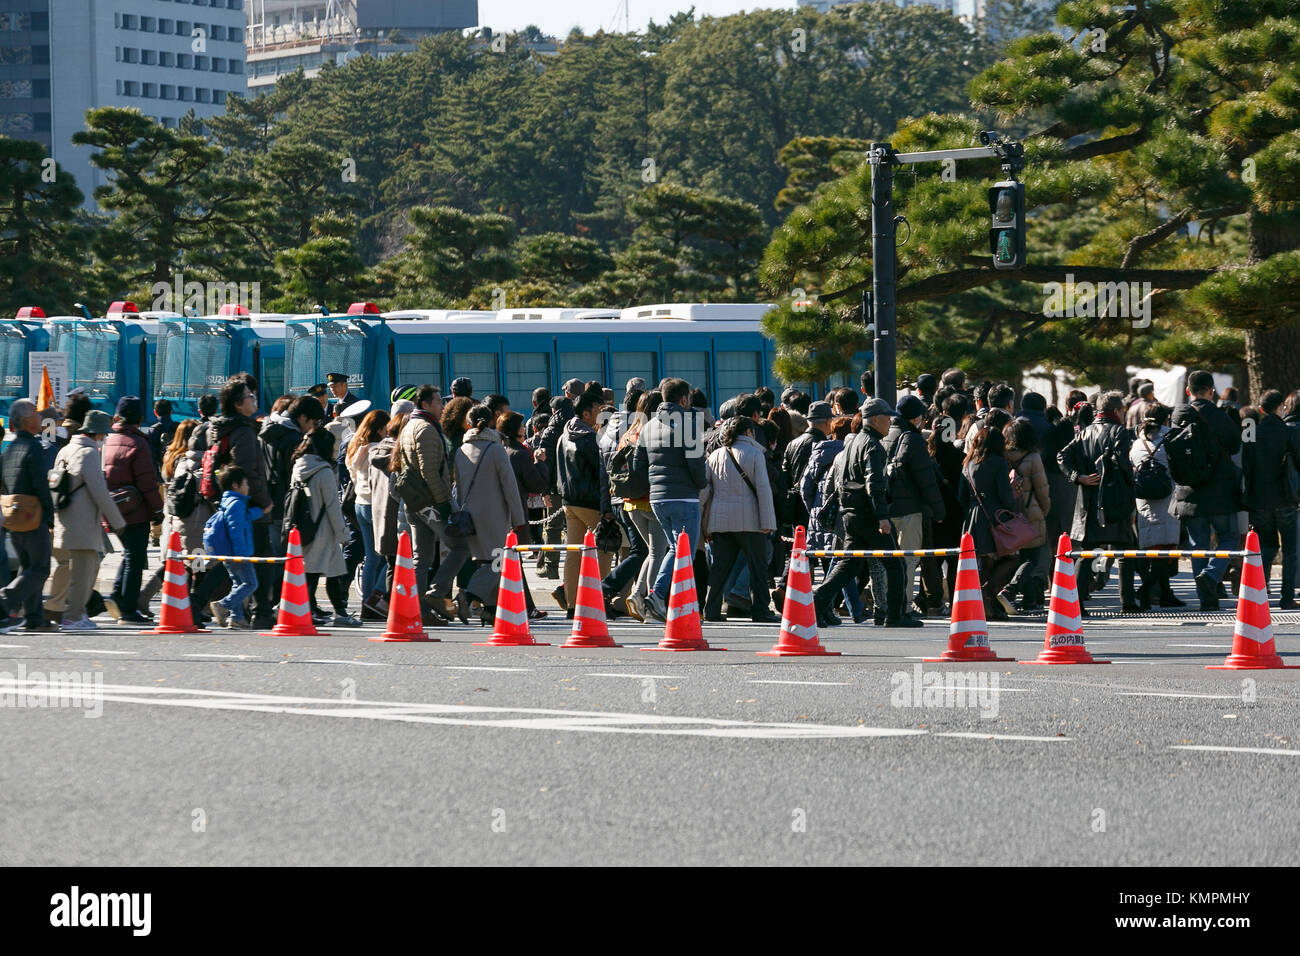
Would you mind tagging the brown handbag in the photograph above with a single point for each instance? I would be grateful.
(1010, 533)
(21, 512)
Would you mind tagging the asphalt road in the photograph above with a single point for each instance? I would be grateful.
(230, 748)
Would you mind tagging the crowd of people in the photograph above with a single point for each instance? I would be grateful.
(1111, 470)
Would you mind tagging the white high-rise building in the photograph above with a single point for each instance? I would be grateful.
(60, 58)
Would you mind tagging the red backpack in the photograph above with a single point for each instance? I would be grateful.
(216, 456)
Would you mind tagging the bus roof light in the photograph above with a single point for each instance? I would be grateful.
(120, 308)
(31, 312)
(233, 308)
(363, 308)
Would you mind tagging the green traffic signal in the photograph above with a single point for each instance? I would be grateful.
(1007, 237)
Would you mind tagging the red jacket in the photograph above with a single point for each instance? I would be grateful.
(128, 461)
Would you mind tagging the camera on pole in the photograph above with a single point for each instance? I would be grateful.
(1007, 237)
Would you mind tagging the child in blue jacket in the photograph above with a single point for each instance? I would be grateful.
(235, 517)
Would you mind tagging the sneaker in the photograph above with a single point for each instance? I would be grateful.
(344, 620)
(655, 607)
(904, 622)
(113, 611)
(635, 607)
(766, 617)
(236, 623)
(320, 617)
(85, 624)
(135, 617)
(219, 613)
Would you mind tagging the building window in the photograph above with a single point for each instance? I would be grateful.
(17, 123)
(166, 58)
(40, 53)
(41, 89)
(149, 57)
(236, 66)
(42, 122)
(201, 95)
(130, 55)
(216, 31)
(15, 55)
(149, 90)
(130, 21)
(218, 96)
(41, 22)
(148, 24)
(131, 88)
(185, 94)
(184, 60)
(167, 92)
(182, 28)
(218, 64)
(165, 25)
(200, 63)
(15, 89)
(16, 22)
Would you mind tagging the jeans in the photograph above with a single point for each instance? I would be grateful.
(1270, 526)
(674, 517)
(648, 527)
(372, 569)
(244, 581)
(24, 590)
(135, 558)
(1198, 539)
(630, 566)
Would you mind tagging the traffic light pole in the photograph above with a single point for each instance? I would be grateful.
(884, 260)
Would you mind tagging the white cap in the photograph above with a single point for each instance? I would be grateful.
(356, 409)
(403, 406)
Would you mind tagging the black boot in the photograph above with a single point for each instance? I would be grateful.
(1128, 599)
(1207, 589)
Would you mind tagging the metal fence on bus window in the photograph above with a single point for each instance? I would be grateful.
(315, 347)
(193, 358)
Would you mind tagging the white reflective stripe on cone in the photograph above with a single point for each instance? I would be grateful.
(1072, 624)
(968, 594)
(1260, 635)
(805, 632)
(1252, 595)
(517, 618)
(404, 562)
(799, 597)
(1069, 595)
(181, 603)
(681, 611)
(295, 610)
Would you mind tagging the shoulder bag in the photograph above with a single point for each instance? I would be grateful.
(1011, 532)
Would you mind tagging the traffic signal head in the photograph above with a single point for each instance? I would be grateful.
(1007, 236)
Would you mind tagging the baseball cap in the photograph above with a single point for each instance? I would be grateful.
(877, 406)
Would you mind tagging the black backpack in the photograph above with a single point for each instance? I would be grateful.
(1151, 479)
(1188, 449)
(298, 514)
(625, 479)
(183, 494)
(1117, 490)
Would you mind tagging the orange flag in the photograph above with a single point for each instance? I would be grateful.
(45, 397)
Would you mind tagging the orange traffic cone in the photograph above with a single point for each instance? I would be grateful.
(294, 619)
(590, 628)
(683, 632)
(1252, 638)
(176, 616)
(404, 616)
(1063, 643)
(510, 620)
(968, 633)
(798, 618)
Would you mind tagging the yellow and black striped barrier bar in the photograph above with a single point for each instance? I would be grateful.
(550, 547)
(913, 553)
(222, 557)
(1155, 554)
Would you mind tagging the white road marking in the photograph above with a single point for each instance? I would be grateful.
(88, 650)
(457, 667)
(642, 676)
(1217, 647)
(810, 683)
(461, 715)
(15, 646)
(1154, 693)
(229, 657)
(977, 736)
(1238, 750)
(358, 663)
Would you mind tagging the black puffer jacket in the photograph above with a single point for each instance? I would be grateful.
(582, 479)
(671, 447)
(914, 488)
(859, 474)
(1218, 496)
(244, 450)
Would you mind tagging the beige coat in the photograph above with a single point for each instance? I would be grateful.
(494, 498)
(422, 446)
(1035, 499)
(325, 553)
(77, 527)
(727, 503)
